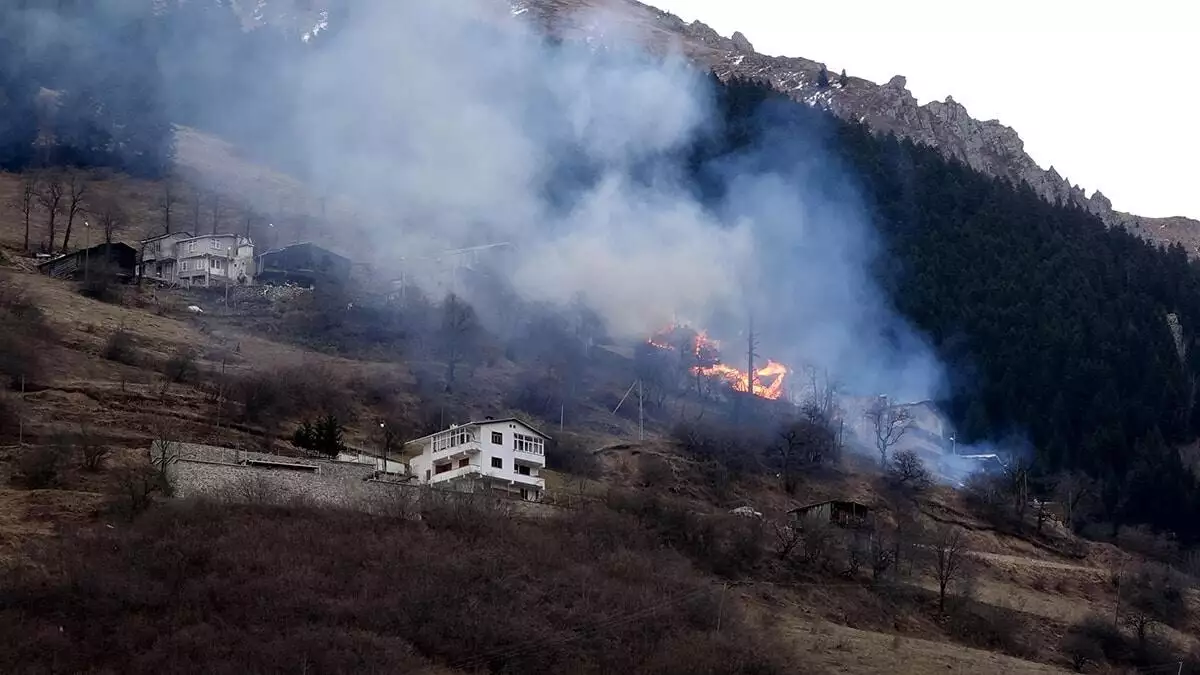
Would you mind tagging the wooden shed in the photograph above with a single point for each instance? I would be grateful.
(838, 512)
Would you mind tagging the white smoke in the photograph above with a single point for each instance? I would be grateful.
(446, 120)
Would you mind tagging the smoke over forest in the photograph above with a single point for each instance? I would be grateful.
(457, 126)
(651, 192)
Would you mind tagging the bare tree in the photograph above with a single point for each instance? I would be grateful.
(167, 200)
(459, 335)
(197, 207)
(948, 558)
(218, 210)
(787, 538)
(92, 451)
(26, 201)
(1153, 595)
(907, 470)
(50, 196)
(889, 424)
(881, 554)
(1072, 490)
(824, 390)
(76, 195)
(111, 217)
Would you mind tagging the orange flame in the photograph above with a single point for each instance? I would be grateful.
(768, 380)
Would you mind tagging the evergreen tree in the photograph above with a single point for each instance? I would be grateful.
(823, 78)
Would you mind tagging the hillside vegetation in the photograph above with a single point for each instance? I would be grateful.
(1057, 332)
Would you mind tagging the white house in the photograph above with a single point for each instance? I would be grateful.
(502, 454)
(158, 256)
(215, 259)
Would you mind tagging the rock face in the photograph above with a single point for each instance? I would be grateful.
(987, 146)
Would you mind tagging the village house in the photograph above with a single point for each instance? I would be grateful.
(117, 259)
(506, 455)
(158, 256)
(840, 512)
(305, 264)
(210, 259)
(215, 259)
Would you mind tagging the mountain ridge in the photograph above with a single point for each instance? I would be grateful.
(988, 146)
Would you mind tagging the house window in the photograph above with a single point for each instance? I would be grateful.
(497, 438)
(441, 468)
(214, 263)
(191, 247)
(452, 439)
(183, 266)
(521, 469)
(497, 463)
(531, 444)
(464, 462)
(214, 244)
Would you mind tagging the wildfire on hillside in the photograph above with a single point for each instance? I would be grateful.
(768, 379)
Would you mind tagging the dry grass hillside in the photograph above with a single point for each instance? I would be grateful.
(118, 375)
(649, 573)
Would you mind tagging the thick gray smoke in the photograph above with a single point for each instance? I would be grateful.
(453, 122)
(449, 121)
(450, 124)
(450, 117)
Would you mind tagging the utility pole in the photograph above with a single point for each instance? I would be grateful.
(21, 417)
(641, 417)
(750, 345)
(87, 247)
(721, 605)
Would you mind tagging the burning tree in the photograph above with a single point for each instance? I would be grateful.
(889, 424)
(700, 358)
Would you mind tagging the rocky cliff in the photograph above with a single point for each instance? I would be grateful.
(987, 146)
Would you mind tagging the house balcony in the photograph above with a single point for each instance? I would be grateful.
(460, 451)
(496, 477)
(531, 457)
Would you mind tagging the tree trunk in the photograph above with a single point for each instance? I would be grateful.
(26, 249)
(67, 233)
(53, 218)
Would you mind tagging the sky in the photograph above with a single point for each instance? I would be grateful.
(1103, 90)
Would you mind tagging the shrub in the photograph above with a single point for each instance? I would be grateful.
(181, 366)
(21, 360)
(1097, 630)
(607, 599)
(567, 453)
(40, 467)
(908, 471)
(655, 471)
(739, 451)
(120, 348)
(10, 417)
(1082, 649)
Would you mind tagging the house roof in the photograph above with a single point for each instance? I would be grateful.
(98, 248)
(304, 243)
(829, 501)
(164, 236)
(219, 234)
(479, 423)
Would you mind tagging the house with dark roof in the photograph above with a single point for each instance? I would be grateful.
(117, 259)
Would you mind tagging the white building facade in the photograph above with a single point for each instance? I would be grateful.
(207, 260)
(506, 455)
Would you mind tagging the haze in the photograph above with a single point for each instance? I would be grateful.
(1104, 92)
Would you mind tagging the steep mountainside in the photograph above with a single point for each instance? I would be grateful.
(987, 146)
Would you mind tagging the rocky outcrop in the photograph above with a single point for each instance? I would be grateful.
(987, 146)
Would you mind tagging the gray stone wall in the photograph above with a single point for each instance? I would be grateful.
(212, 472)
